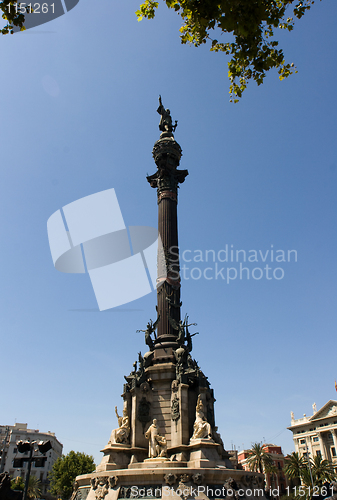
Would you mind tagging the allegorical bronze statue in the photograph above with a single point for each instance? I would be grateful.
(165, 124)
(181, 327)
(150, 328)
(188, 335)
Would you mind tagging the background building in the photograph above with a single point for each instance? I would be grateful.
(317, 432)
(10, 435)
(278, 479)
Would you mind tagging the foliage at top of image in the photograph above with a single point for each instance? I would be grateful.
(252, 23)
(13, 16)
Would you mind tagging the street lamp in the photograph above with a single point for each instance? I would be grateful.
(312, 481)
(23, 447)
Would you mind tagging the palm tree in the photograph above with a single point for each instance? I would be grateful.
(310, 472)
(258, 459)
(322, 471)
(34, 487)
(294, 465)
(306, 477)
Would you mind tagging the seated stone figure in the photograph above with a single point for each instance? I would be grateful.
(121, 435)
(161, 446)
(201, 428)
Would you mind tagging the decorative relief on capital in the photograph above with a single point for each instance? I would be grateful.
(165, 148)
(172, 195)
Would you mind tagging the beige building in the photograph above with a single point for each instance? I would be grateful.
(318, 432)
(10, 435)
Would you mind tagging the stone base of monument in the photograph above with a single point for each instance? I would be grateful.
(162, 480)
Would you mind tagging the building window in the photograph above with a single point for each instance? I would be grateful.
(318, 453)
(302, 441)
(315, 438)
(333, 451)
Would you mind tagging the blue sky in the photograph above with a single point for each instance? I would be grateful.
(78, 116)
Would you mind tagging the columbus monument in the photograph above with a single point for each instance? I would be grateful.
(165, 442)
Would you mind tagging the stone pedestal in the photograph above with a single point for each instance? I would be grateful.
(119, 456)
(204, 453)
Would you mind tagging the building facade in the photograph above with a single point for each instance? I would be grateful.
(276, 480)
(317, 434)
(10, 435)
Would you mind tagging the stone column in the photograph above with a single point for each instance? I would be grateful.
(334, 437)
(322, 446)
(167, 154)
(309, 445)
